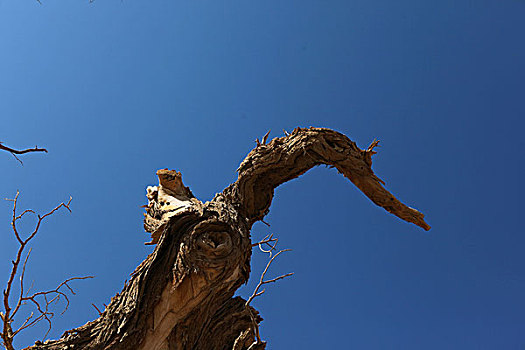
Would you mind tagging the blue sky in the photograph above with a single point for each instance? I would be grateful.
(118, 89)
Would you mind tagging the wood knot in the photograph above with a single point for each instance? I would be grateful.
(212, 240)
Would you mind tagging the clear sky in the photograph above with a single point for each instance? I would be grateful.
(118, 89)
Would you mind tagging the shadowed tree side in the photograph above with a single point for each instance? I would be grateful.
(181, 295)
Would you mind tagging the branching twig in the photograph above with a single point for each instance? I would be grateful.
(42, 301)
(44, 310)
(271, 242)
(14, 152)
(262, 282)
(267, 240)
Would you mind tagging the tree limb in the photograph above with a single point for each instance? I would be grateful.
(285, 158)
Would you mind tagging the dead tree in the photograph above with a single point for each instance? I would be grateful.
(181, 295)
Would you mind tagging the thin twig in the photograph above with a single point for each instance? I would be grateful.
(265, 137)
(263, 282)
(264, 222)
(373, 145)
(42, 301)
(19, 303)
(44, 311)
(266, 240)
(14, 152)
(96, 308)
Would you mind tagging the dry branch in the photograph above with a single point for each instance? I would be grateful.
(269, 241)
(262, 282)
(14, 152)
(43, 300)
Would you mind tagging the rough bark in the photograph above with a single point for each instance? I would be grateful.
(180, 296)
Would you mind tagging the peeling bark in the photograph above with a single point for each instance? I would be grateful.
(181, 295)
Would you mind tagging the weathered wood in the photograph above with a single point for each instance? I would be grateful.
(180, 296)
(285, 158)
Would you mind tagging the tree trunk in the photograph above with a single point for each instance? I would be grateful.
(181, 295)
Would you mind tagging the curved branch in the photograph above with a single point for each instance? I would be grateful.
(285, 158)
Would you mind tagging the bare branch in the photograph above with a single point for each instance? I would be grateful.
(266, 240)
(41, 218)
(14, 152)
(265, 137)
(262, 281)
(20, 298)
(42, 301)
(44, 310)
(96, 308)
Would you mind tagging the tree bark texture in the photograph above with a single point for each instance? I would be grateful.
(181, 295)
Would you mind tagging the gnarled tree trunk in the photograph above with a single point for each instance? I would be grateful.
(181, 295)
